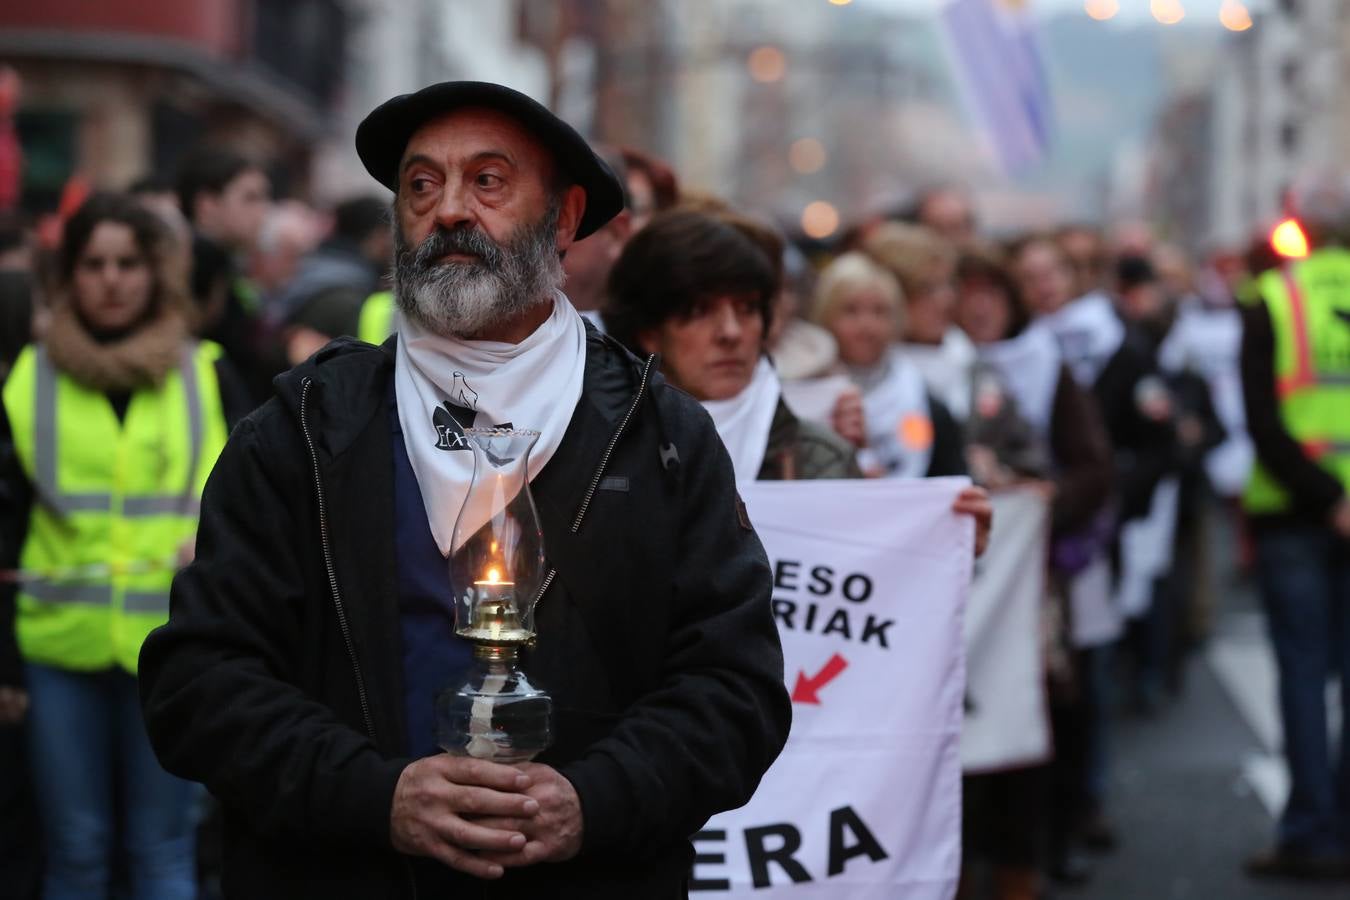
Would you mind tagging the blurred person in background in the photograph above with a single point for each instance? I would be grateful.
(225, 197)
(1085, 247)
(1149, 562)
(289, 233)
(948, 210)
(907, 432)
(800, 348)
(1131, 237)
(1118, 365)
(339, 287)
(699, 290)
(1091, 340)
(1296, 384)
(923, 263)
(111, 424)
(650, 183)
(1024, 821)
(588, 262)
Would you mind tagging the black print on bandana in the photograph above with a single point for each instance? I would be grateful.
(454, 415)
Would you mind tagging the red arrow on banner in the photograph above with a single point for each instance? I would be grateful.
(806, 689)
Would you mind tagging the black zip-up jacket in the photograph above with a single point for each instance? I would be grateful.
(277, 680)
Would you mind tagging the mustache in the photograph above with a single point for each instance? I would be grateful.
(441, 242)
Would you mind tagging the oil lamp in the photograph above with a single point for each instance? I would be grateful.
(496, 572)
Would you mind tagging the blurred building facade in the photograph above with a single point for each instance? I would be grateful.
(115, 91)
(1278, 111)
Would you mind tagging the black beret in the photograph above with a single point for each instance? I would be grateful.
(383, 135)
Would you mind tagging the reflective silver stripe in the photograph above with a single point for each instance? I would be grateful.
(83, 594)
(1333, 379)
(145, 602)
(45, 449)
(70, 503)
(194, 411)
(160, 505)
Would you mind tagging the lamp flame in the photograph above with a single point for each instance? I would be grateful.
(494, 577)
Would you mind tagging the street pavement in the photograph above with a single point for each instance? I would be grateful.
(1195, 788)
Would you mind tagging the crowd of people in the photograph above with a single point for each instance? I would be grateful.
(1102, 364)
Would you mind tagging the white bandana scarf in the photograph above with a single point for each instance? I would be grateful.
(445, 385)
(1089, 334)
(946, 369)
(1029, 366)
(743, 422)
(898, 416)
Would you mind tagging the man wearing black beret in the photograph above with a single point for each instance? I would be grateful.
(296, 675)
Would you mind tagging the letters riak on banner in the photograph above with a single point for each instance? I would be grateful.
(870, 585)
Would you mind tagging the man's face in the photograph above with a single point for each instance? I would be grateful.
(711, 352)
(235, 216)
(1043, 275)
(949, 214)
(479, 227)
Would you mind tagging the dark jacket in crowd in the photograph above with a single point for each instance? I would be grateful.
(328, 290)
(276, 682)
(1081, 453)
(1313, 490)
(232, 317)
(804, 451)
(1145, 448)
(949, 442)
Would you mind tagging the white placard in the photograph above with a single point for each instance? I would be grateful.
(1006, 724)
(870, 585)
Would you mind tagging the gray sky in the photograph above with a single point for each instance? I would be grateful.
(1130, 10)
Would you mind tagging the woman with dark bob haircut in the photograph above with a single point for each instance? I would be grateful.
(109, 426)
(698, 287)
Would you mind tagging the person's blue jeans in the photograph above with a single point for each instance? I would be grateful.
(91, 760)
(1305, 584)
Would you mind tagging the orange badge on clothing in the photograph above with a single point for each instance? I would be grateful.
(915, 431)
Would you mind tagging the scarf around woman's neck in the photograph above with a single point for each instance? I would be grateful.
(744, 421)
(139, 359)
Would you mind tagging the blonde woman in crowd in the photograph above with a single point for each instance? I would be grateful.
(906, 431)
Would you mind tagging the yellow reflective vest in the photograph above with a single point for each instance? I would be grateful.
(1309, 306)
(113, 503)
(378, 318)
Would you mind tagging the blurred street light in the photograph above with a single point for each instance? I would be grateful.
(1234, 16)
(1288, 240)
(1168, 12)
(806, 156)
(841, 2)
(767, 64)
(820, 220)
(1101, 10)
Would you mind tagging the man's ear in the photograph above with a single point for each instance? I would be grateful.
(569, 217)
(649, 339)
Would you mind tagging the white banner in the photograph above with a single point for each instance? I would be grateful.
(1006, 724)
(870, 585)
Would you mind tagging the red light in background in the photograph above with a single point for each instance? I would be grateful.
(1288, 240)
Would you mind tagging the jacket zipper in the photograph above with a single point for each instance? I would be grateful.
(328, 562)
(600, 470)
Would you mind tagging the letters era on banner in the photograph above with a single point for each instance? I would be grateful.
(870, 584)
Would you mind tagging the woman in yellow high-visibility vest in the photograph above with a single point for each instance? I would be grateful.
(111, 423)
